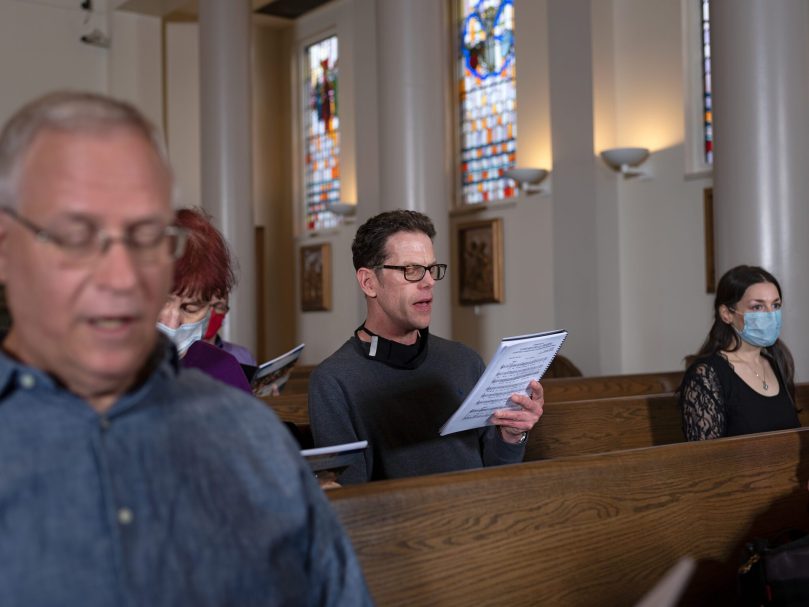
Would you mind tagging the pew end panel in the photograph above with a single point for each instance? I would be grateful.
(588, 530)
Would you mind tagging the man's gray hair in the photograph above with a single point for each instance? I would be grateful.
(72, 112)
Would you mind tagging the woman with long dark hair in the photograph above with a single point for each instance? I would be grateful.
(742, 378)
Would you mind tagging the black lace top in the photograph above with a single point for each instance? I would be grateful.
(716, 402)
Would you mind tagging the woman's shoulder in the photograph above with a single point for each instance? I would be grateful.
(712, 366)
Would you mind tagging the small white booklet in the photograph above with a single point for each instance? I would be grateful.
(270, 377)
(329, 462)
(517, 361)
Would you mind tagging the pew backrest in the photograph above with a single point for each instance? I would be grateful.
(610, 386)
(588, 530)
(612, 424)
(291, 406)
(606, 424)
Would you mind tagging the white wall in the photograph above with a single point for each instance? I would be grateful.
(135, 66)
(528, 305)
(324, 332)
(182, 109)
(652, 307)
(40, 50)
(666, 312)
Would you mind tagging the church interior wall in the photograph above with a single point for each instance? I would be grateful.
(655, 290)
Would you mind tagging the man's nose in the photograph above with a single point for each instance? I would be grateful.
(116, 267)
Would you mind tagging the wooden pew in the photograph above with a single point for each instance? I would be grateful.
(581, 427)
(606, 424)
(579, 531)
(570, 388)
(565, 388)
(301, 371)
(610, 424)
(296, 385)
(291, 405)
(610, 386)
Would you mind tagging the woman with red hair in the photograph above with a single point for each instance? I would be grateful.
(203, 279)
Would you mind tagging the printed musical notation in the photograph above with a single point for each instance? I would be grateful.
(517, 361)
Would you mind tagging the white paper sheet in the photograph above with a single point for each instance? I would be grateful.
(517, 361)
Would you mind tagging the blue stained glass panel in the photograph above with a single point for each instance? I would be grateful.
(488, 99)
(322, 125)
(707, 107)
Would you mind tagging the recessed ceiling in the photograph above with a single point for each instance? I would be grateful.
(290, 9)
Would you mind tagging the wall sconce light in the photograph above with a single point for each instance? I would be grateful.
(529, 180)
(626, 161)
(96, 38)
(345, 210)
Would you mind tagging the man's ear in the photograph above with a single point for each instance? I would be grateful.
(3, 249)
(367, 281)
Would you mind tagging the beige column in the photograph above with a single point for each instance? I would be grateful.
(576, 258)
(414, 141)
(226, 154)
(760, 54)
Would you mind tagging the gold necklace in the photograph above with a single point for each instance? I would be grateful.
(764, 383)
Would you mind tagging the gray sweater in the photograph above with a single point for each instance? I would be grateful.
(399, 412)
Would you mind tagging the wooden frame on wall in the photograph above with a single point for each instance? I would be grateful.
(480, 257)
(710, 260)
(316, 277)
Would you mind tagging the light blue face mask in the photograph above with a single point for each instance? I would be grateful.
(761, 328)
(185, 335)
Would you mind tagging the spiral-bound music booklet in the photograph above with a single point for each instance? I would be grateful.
(517, 361)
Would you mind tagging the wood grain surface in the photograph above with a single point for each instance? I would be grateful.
(578, 531)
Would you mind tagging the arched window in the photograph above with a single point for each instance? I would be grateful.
(322, 134)
(707, 106)
(487, 99)
(699, 88)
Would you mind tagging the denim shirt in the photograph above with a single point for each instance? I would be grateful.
(186, 492)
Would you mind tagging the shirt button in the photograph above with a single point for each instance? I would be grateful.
(125, 516)
(104, 422)
(27, 381)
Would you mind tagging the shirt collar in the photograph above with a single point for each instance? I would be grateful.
(164, 361)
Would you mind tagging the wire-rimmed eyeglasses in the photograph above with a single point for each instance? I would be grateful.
(80, 240)
(415, 272)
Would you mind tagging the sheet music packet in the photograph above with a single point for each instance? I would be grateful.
(328, 463)
(274, 372)
(517, 361)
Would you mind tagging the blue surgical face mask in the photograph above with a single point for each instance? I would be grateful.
(185, 335)
(761, 328)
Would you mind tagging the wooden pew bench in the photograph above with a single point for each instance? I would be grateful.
(291, 405)
(565, 389)
(580, 427)
(611, 424)
(589, 530)
(610, 386)
(606, 424)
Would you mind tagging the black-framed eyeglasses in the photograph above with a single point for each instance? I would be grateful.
(81, 240)
(415, 272)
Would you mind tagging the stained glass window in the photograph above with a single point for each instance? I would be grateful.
(707, 105)
(322, 163)
(488, 99)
